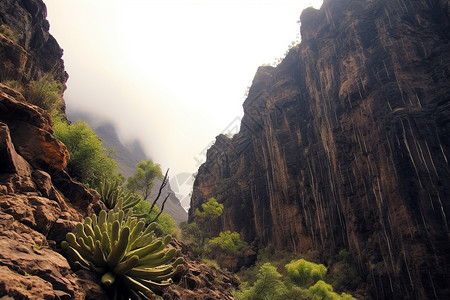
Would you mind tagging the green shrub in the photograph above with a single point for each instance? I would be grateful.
(142, 180)
(304, 272)
(267, 286)
(324, 291)
(165, 222)
(228, 241)
(344, 273)
(129, 258)
(89, 162)
(46, 93)
(210, 210)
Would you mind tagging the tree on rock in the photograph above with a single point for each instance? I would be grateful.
(142, 180)
(211, 209)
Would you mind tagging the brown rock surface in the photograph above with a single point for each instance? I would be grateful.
(200, 281)
(36, 52)
(31, 125)
(345, 144)
(35, 216)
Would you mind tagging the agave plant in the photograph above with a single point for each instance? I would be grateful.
(130, 260)
(114, 197)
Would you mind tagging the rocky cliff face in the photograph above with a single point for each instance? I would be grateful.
(39, 204)
(29, 51)
(345, 144)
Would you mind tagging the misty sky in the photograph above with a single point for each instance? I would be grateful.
(171, 73)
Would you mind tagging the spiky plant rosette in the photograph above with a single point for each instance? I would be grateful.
(114, 197)
(130, 260)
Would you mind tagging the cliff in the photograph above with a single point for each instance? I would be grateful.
(39, 201)
(27, 49)
(345, 144)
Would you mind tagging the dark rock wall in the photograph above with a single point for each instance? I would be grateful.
(36, 51)
(345, 144)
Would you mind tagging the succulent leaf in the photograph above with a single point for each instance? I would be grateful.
(125, 255)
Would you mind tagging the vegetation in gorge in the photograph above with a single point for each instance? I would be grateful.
(142, 180)
(165, 223)
(228, 241)
(46, 92)
(128, 257)
(210, 210)
(114, 197)
(89, 162)
(277, 278)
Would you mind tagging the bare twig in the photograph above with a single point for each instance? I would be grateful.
(163, 184)
(161, 210)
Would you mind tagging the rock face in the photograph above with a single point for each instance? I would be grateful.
(36, 210)
(345, 144)
(39, 203)
(200, 281)
(33, 52)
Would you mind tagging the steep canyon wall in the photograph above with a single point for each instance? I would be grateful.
(345, 144)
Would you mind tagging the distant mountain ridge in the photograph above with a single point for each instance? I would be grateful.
(127, 157)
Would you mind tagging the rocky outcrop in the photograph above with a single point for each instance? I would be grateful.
(33, 52)
(34, 214)
(200, 281)
(345, 144)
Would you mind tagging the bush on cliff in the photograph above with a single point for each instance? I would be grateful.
(46, 92)
(303, 279)
(89, 162)
(228, 241)
(305, 272)
(210, 210)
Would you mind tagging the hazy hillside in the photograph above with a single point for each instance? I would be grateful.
(127, 157)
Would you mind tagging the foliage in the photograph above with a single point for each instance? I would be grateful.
(228, 241)
(9, 33)
(192, 231)
(305, 272)
(165, 222)
(267, 286)
(114, 197)
(196, 236)
(88, 161)
(344, 273)
(211, 209)
(324, 291)
(129, 258)
(311, 286)
(47, 93)
(142, 180)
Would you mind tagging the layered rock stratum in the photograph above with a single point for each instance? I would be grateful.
(345, 145)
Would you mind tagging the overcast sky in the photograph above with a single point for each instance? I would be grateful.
(171, 73)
